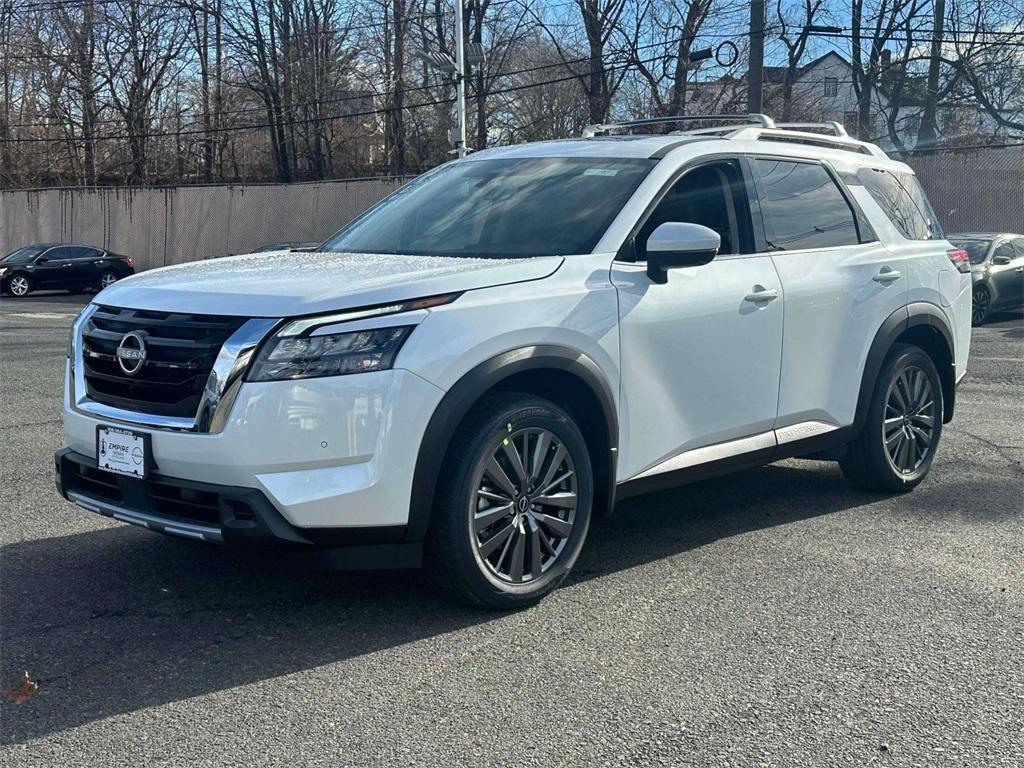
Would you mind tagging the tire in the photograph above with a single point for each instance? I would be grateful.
(107, 279)
(18, 286)
(897, 445)
(980, 306)
(494, 541)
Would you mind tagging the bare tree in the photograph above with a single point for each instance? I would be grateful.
(140, 50)
(666, 66)
(874, 23)
(795, 32)
(601, 22)
(927, 132)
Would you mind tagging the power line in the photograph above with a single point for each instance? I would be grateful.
(195, 117)
(312, 120)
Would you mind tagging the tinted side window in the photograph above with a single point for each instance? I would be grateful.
(61, 254)
(803, 207)
(712, 196)
(901, 197)
(1018, 246)
(84, 252)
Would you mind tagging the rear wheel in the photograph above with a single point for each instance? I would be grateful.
(513, 503)
(19, 286)
(982, 303)
(895, 449)
(107, 279)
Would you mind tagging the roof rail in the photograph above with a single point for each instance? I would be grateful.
(604, 129)
(805, 137)
(838, 129)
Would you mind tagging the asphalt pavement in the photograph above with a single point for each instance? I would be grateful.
(777, 617)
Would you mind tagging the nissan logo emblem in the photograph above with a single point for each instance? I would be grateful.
(131, 352)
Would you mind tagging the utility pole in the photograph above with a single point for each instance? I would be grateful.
(755, 69)
(460, 78)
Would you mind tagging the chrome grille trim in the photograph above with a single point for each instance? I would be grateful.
(218, 394)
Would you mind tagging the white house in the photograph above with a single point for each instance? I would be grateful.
(823, 90)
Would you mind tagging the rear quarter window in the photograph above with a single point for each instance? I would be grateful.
(903, 200)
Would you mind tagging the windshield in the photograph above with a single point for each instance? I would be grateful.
(976, 249)
(24, 255)
(499, 208)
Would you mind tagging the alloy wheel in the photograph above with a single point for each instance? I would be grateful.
(524, 507)
(979, 308)
(909, 425)
(108, 279)
(18, 285)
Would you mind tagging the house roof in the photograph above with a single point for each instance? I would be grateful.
(777, 75)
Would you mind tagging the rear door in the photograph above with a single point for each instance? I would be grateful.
(84, 268)
(700, 353)
(840, 284)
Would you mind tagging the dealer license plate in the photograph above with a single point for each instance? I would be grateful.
(121, 450)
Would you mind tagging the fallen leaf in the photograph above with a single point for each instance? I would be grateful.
(26, 690)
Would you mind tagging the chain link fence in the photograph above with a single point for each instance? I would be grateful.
(971, 190)
(976, 190)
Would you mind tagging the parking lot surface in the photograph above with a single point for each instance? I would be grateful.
(777, 617)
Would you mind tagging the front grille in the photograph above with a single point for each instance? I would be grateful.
(180, 353)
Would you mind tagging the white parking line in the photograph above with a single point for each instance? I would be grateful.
(39, 315)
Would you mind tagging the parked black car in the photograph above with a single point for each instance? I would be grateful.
(997, 267)
(48, 266)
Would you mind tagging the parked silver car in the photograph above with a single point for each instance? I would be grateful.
(997, 266)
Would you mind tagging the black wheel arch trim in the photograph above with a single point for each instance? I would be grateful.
(458, 401)
(913, 315)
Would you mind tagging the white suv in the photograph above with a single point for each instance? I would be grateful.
(470, 371)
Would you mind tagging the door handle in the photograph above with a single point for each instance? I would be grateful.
(1019, 269)
(66, 265)
(760, 293)
(886, 275)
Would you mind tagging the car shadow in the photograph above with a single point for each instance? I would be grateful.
(1004, 323)
(118, 619)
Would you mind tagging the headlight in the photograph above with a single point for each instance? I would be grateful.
(335, 354)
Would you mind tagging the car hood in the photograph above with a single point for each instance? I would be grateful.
(285, 283)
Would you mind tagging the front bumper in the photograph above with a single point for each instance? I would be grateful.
(221, 514)
(336, 452)
(217, 514)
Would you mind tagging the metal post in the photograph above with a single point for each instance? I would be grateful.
(755, 69)
(460, 78)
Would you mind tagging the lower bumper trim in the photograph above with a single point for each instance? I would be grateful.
(153, 523)
(223, 514)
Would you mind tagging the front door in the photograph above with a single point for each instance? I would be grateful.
(1008, 277)
(54, 268)
(700, 354)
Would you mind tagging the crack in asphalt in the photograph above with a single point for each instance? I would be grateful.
(1001, 450)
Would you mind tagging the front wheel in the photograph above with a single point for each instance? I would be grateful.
(19, 286)
(895, 449)
(513, 503)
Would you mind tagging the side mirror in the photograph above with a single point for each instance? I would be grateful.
(677, 244)
(1001, 260)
